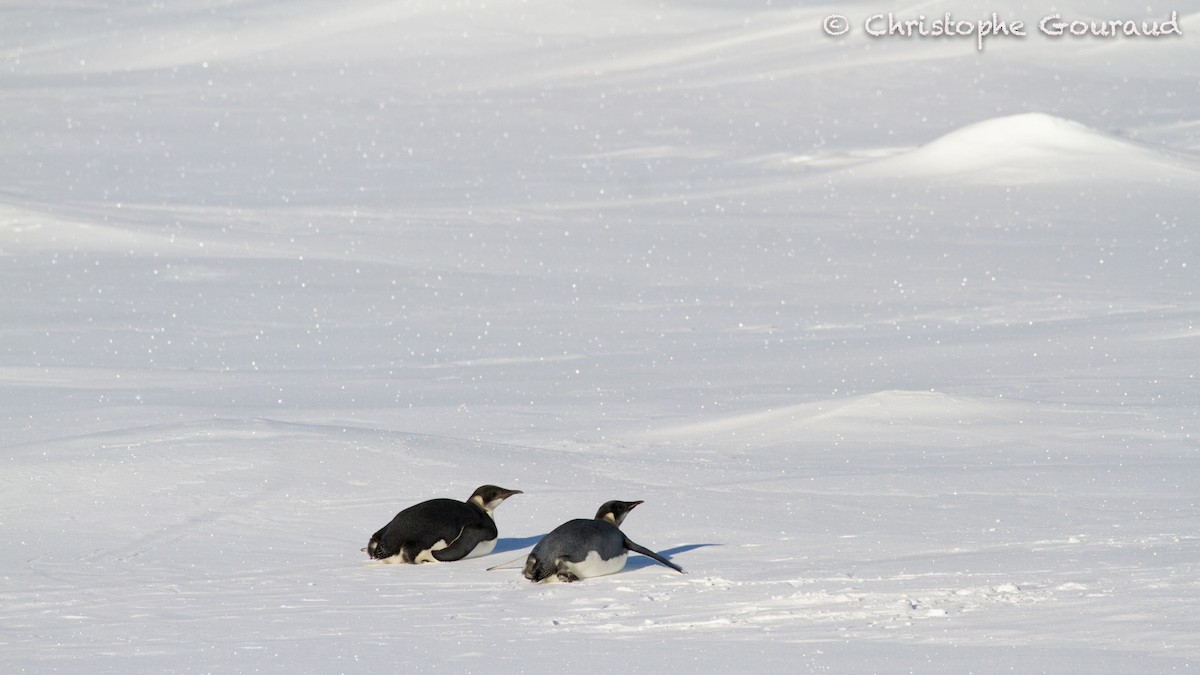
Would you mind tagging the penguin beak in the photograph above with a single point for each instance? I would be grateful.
(497, 500)
(629, 506)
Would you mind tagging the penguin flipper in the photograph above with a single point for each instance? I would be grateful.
(457, 549)
(638, 548)
(463, 545)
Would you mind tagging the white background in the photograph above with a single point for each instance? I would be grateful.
(897, 339)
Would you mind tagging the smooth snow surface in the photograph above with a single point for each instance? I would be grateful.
(898, 340)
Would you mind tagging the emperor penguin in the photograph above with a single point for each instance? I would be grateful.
(581, 548)
(441, 529)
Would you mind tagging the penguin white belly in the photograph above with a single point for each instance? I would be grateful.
(427, 555)
(595, 566)
(482, 548)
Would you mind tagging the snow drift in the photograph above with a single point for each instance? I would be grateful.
(904, 373)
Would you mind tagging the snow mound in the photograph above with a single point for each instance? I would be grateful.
(1030, 148)
(873, 416)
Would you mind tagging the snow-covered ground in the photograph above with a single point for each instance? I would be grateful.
(899, 340)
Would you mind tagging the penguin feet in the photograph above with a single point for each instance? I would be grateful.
(566, 577)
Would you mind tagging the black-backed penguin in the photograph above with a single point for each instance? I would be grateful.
(441, 529)
(583, 548)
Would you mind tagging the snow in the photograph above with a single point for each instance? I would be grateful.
(895, 338)
(1035, 148)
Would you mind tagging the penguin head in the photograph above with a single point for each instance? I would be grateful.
(615, 511)
(488, 497)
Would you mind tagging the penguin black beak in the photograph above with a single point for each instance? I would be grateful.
(509, 493)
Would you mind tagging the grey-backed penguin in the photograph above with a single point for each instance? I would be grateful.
(583, 548)
(441, 529)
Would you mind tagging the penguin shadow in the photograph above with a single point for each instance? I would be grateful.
(506, 544)
(637, 562)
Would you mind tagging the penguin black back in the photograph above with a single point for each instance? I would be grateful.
(441, 529)
(582, 548)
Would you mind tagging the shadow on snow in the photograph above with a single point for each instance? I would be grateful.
(506, 544)
(637, 562)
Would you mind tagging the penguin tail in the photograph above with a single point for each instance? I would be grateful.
(539, 571)
(376, 550)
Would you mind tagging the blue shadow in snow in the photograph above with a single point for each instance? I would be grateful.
(506, 544)
(638, 561)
